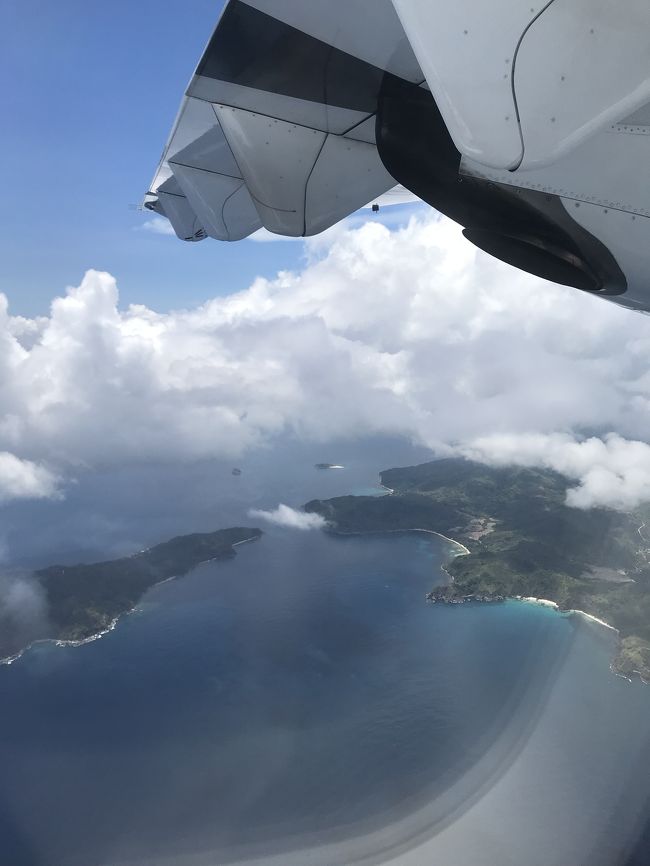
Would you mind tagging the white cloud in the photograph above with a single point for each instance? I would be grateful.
(21, 598)
(402, 332)
(284, 515)
(612, 472)
(158, 226)
(22, 479)
(23, 612)
(264, 236)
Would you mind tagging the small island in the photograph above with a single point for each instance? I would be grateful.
(519, 540)
(85, 600)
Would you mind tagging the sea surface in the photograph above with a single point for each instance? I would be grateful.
(303, 704)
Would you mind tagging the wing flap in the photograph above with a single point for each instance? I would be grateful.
(276, 159)
(181, 215)
(208, 194)
(347, 174)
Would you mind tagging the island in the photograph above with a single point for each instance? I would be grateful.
(85, 600)
(519, 540)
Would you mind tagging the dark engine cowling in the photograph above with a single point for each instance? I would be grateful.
(525, 228)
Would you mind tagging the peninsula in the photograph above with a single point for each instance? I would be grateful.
(521, 541)
(85, 600)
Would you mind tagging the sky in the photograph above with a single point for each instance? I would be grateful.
(120, 345)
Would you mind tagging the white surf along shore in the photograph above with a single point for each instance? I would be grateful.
(528, 599)
(571, 611)
(9, 660)
(463, 551)
(547, 602)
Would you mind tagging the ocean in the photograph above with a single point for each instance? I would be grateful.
(303, 704)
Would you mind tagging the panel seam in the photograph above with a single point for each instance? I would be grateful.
(512, 80)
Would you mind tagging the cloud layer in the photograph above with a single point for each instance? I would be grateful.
(23, 479)
(407, 332)
(23, 612)
(612, 472)
(289, 517)
(158, 226)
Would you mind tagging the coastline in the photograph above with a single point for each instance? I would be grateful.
(9, 660)
(547, 602)
(544, 602)
(567, 611)
(592, 618)
(390, 491)
(530, 599)
(463, 552)
(63, 642)
(589, 617)
(494, 572)
(234, 544)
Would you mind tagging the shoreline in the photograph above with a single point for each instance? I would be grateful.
(624, 660)
(463, 552)
(571, 611)
(9, 660)
(544, 602)
(530, 599)
(589, 617)
(64, 642)
(234, 544)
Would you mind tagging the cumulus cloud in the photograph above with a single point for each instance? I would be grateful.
(21, 599)
(23, 479)
(265, 236)
(23, 612)
(158, 226)
(284, 515)
(408, 331)
(612, 472)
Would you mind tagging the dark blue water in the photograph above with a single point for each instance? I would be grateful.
(300, 695)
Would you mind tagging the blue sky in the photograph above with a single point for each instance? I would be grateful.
(89, 93)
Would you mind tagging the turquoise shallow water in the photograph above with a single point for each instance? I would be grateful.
(303, 702)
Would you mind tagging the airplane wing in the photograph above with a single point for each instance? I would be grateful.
(528, 125)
